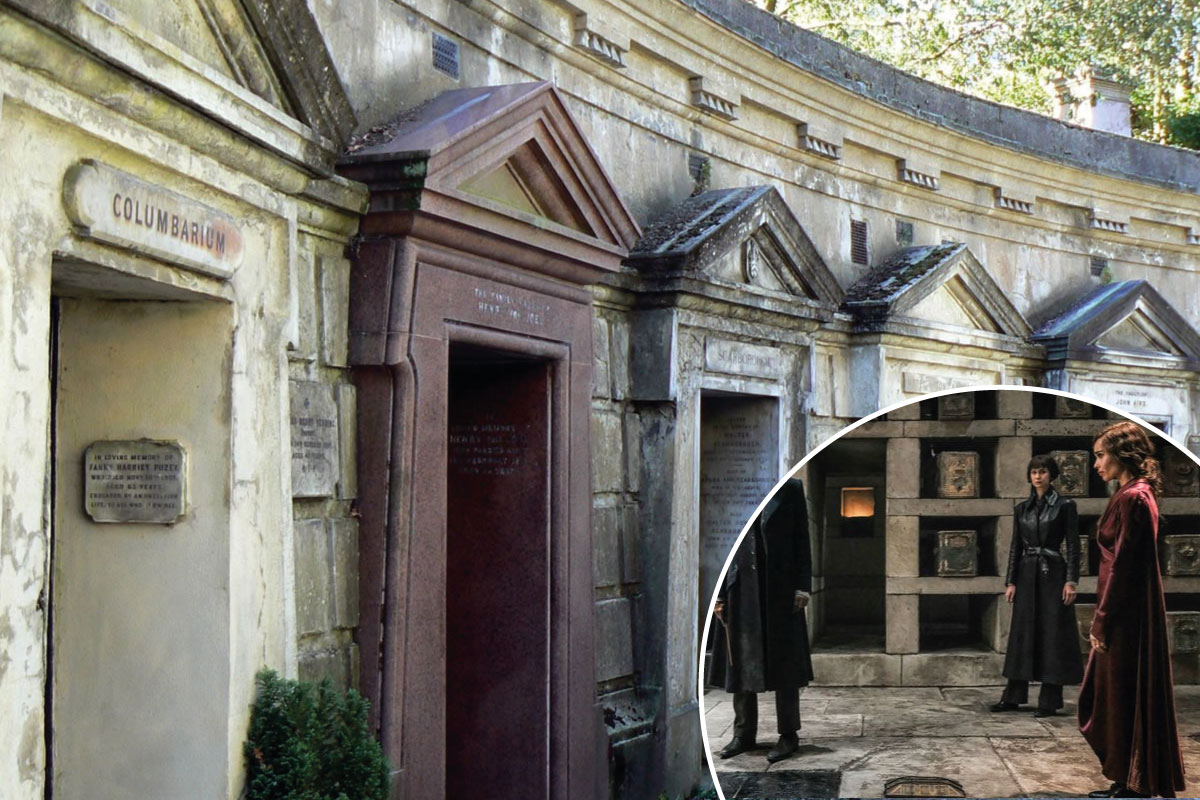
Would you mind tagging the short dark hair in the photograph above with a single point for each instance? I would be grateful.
(1045, 462)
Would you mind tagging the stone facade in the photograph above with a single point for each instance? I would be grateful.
(173, 295)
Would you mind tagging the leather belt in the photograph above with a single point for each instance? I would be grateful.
(1041, 554)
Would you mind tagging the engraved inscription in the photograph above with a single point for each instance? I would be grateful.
(739, 358)
(924, 383)
(134, 481)
(314, 435)
(487, 448)
(511, 307)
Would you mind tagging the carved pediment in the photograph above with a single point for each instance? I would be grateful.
(1128, 317)
(514, 149)
(745, 237)
(272, 47)
(942, 284)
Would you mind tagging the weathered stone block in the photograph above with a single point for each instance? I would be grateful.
(1014, 404)
(302, 322)
(614, 639)
(335, 309)
(618, 365)
(903, 623)
(633, 451)
(631, 544)
(343, 544)
(607, 452)
(312, 576)
(1070, 408)
(960, 405)
(1181, 476)
(1072, 480)
(856, 669)
(1181, 554)
(1012, 456)
(606, 545)
(909, 411)
(903, 471)
(902, 550)
(601, 386)
(946, 669)
(335, 664)
(315, 440)
(957, 553)
(347, 409)
(957, 474)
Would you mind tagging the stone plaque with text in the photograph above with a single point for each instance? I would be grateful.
(956, 406)
(314, 439)
(957, 554)
(135, 481)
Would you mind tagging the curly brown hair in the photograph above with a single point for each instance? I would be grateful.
(1129, 444)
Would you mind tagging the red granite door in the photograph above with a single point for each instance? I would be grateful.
(497, 576)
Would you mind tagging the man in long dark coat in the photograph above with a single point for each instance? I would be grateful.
(761, 604)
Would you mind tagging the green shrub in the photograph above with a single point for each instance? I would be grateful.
(310, 742)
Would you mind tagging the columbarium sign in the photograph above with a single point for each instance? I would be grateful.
(116, 207)
(135, 481)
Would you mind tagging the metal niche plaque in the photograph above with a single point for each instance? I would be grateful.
(1180, 475)
(1070, 408)
(1181, 554)
(1072, 480)
(957, 554)
(956, 406)
(958, 474)
(135, 481)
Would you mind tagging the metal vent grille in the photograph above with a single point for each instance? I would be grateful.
(859, 252)
(445, 55)
(1099, 264)
(904, 233)
(697, 165)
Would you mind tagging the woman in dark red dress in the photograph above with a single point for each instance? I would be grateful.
(1127, 701)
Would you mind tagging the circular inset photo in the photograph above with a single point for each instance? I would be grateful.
(982, 593)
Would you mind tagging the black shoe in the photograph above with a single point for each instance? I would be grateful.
(1125, 791)
(788, 744)
(1045, 712)
(1003, 706)
(736, 746)
(1109, 792)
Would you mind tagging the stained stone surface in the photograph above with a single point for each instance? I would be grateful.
(947, 732)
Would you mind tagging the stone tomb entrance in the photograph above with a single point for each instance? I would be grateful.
(471, 341)
(739, 463)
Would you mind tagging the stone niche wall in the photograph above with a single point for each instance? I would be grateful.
(324, 480)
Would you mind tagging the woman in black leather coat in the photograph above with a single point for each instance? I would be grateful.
(1043, 641)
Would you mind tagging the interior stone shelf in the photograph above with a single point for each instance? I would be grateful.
(950, 507)
(954, 429)
(1060, 428)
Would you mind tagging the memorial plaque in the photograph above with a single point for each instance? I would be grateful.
(957, 474)
(135, 481)
(957, 406)
(1181, 477)
(1070, 408)
(1183, 631)
(957, 554)
(1084, 568)
(739, 463)
(1072, 480)
(1181, 554)
(314, 439)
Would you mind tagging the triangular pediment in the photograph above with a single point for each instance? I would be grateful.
(939, 284)
(513, 149)
(1128, 317)
(737, 237)
(273, 48)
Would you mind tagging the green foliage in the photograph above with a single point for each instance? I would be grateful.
(310, 742)
(1007, 50)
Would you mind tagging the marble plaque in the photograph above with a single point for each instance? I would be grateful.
(314, 433)
(1181, 477)
(1181, 554)
(957, 553)
(958, 474)
(740, 358)
(1072, 480)
(1183, 631)
(135, 481)
(957, 406)
(122, 209)
(1070, 408)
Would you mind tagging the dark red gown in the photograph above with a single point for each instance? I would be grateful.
(1127, 701)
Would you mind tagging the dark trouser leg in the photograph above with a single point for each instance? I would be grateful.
(745, 715)
(1050, 697)
(1018, 692)
(787, 709)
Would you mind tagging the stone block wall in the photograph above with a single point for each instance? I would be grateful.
(322, 417)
